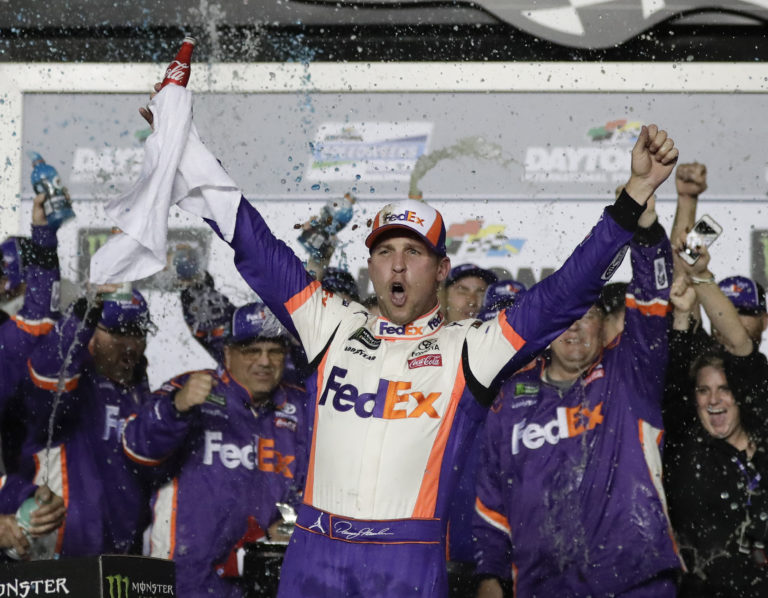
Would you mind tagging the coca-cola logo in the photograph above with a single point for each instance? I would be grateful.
(176, 71)
(425, 361)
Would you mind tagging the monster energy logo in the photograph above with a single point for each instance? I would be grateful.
(116, 585)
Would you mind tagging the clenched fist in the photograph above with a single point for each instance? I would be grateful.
(691, 179)
(194, 392)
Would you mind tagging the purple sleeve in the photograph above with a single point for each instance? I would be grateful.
(38, 314)
(157, 429)
(644, 342)
(14, 490)
(63, 352)
(549, 307)
(490, 526)
(262, 260)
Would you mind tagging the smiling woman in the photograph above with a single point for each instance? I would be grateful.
(716, 481)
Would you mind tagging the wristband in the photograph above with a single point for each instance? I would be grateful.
(697, 280)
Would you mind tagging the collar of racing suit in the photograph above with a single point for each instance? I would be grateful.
(425, 325)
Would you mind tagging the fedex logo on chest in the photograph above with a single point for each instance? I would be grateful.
(569, 422)
(392, 399)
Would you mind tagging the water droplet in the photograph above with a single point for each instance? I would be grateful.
(724, 495)
(316, 187)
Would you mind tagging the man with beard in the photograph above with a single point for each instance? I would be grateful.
(90, 373)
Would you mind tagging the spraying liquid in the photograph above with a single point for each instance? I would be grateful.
(473, 147)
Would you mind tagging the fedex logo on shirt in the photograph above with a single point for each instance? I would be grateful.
(569, 422)
(112, 421)
(260, 454)
(406, 216)
(393, 400)
(387, 328)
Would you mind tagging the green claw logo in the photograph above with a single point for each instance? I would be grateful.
(116, 585)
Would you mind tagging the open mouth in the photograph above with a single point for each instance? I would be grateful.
(397, 294)
(717, 417)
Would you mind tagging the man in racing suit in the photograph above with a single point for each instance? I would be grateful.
(90, 372)
(398, 397)
(232, 442)
(569, 496)
(30, 267)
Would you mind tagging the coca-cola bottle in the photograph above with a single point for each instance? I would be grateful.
(177, 72)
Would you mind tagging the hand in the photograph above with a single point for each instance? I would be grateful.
(691, 179)
(653, 159)
(12, 536)
(145, 112)
(700, 267)
(50, 513)
(194, 392)
(649, 216)
(682, 295)
(38, 213)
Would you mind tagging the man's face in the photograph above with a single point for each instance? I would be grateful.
(405, 276)
(258, 366)
(715, 404)
(464, 298)
(754, 325)
(116, 355)
(578, 346)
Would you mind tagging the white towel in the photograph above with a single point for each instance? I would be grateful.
(177, 169)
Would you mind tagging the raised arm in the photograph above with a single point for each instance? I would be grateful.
(160, 427)
(690, 181)
(719, 309)
(553, 304)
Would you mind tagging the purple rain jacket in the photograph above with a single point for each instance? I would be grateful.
(225, 461)
(106, 494)
(569, 495)
(19, 335)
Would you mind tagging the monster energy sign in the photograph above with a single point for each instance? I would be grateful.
(120, 586)
(107, 576)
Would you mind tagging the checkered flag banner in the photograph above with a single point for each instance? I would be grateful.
(593, 23)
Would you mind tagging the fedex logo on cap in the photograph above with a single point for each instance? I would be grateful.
(407, 216)
(392, 400)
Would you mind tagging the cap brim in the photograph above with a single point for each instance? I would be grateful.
(370, 241)
(486, 275)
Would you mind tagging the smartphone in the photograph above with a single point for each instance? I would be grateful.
(704, 232)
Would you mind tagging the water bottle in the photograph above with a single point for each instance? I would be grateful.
(334, 216)
(39, 548)
(178, 71)
(46, 180)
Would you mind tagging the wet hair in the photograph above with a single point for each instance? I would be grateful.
(612, 297)
(370, 301)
